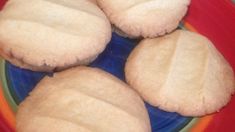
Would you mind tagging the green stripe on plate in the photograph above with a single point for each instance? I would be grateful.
(6, 91)
(190, 125)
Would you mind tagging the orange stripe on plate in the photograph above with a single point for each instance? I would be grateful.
(6, 111)
(189, 26)
(202, 124)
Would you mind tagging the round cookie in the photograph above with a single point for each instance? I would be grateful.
(82, 99)
(181, 72)
(146, 18)
(47, 35)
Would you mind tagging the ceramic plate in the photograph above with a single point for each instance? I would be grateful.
(206, 17)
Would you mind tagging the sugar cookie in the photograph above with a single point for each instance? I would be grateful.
(82, 99)
(181, 72)
(47, 35)
(146, 18)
